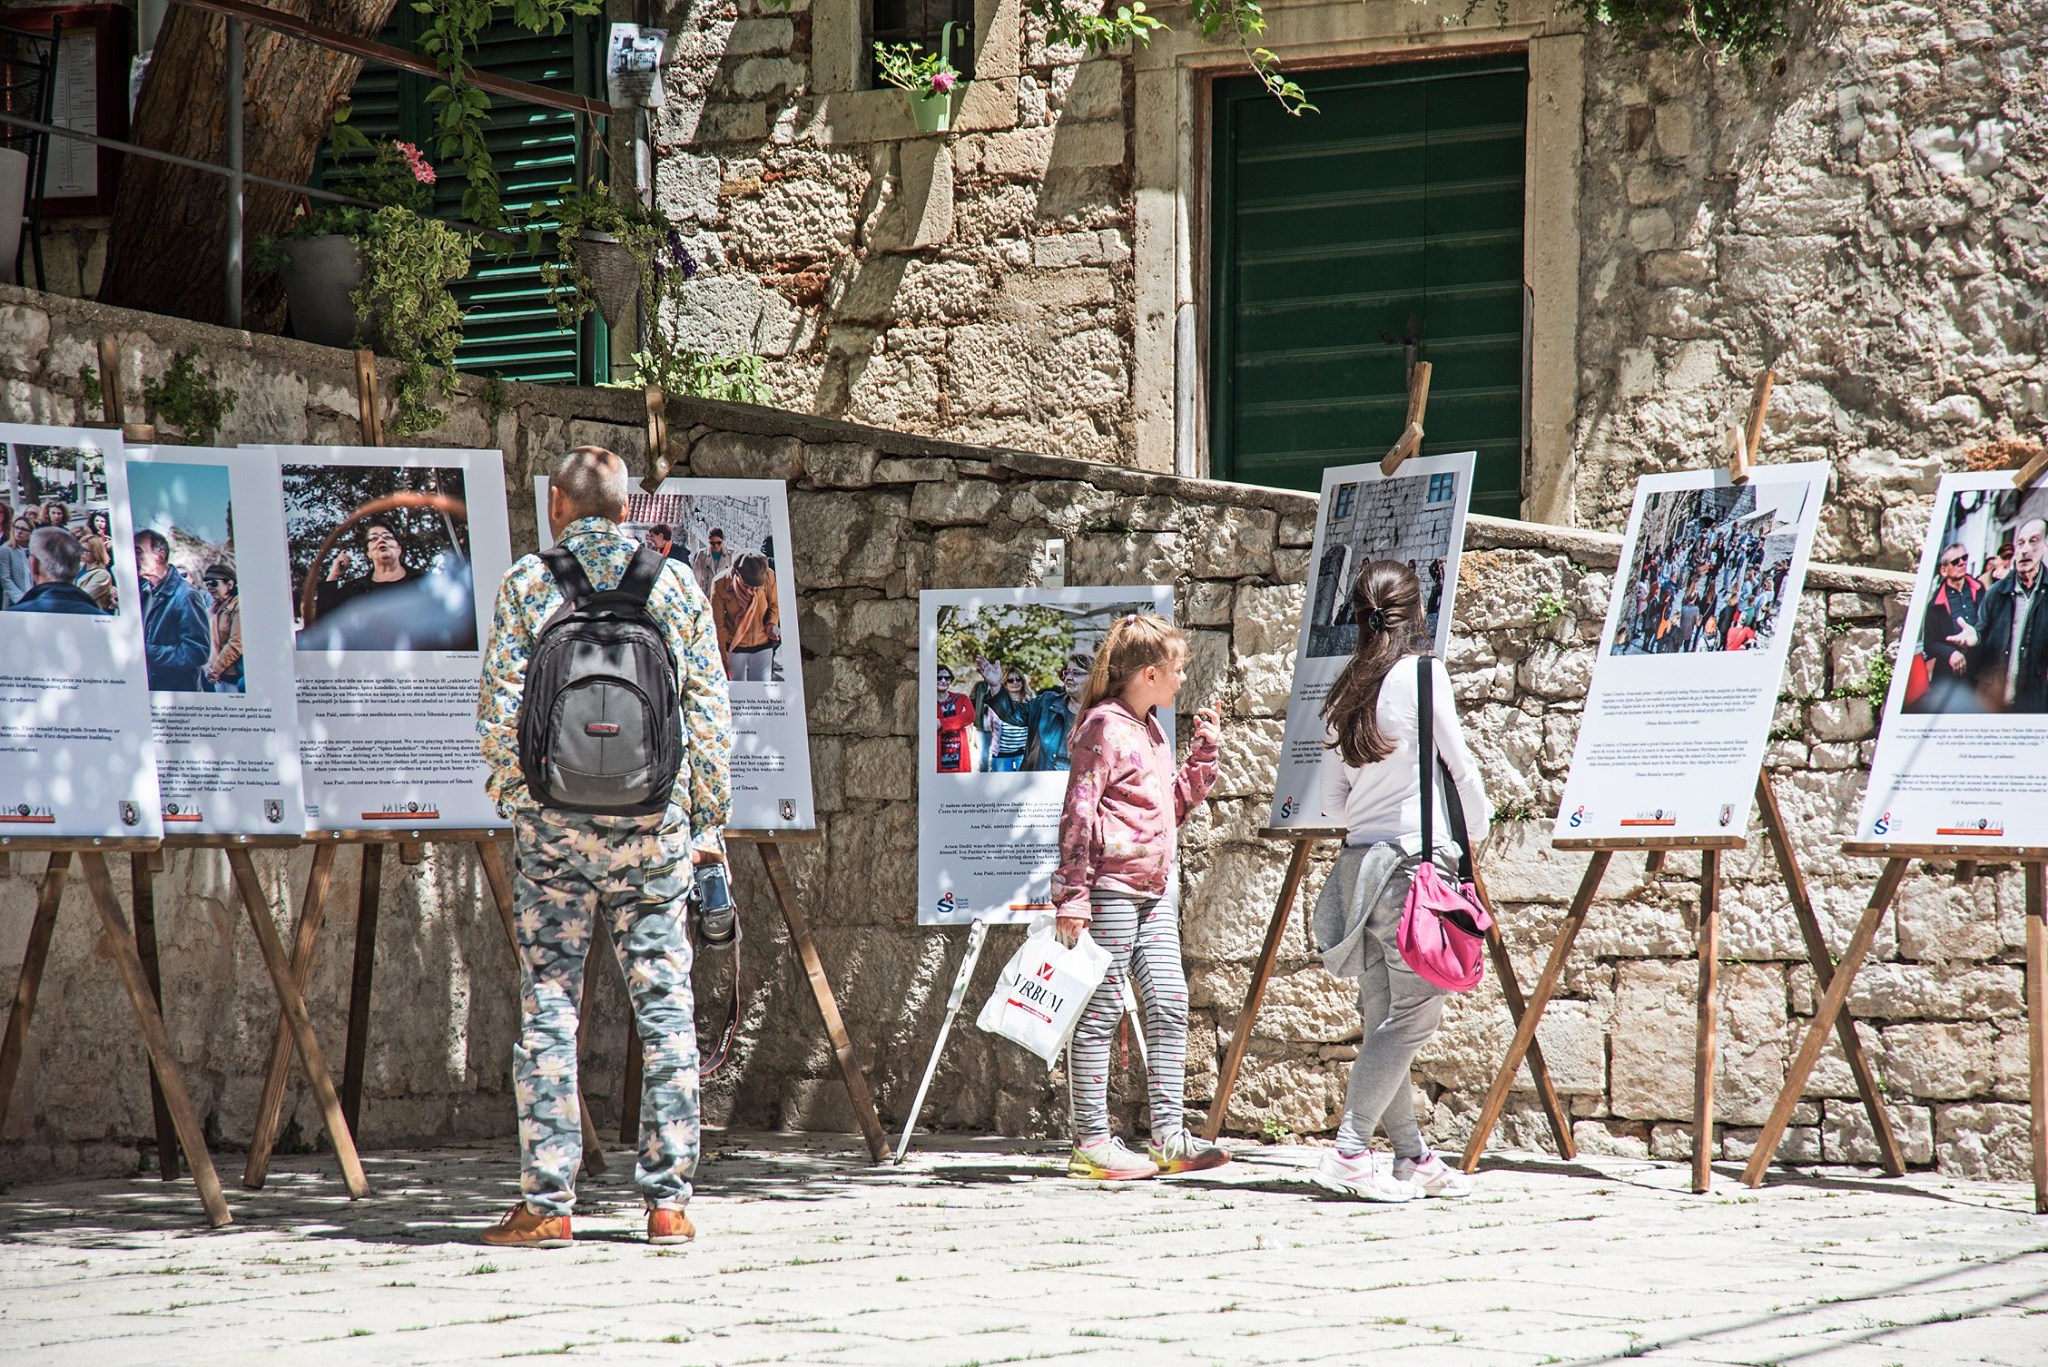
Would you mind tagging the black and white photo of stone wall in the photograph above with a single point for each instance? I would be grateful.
(1408, 518)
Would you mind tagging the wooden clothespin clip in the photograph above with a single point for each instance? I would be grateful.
(367, 401)
(657, 439)
(112, 404)
(1411, 436)
(1743, 441)
(2032, 469)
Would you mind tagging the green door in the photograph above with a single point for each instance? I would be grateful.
(1389, 223)
(509, 327)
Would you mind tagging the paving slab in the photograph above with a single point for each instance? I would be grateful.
(981, 1252)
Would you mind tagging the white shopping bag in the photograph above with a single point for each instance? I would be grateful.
(1038, 998)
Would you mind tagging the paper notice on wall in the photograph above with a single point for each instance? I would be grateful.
(1417, 518)
(223, 699)
(1691, 654)
(723, 533)
(1959, 754)
(395, 560)
(75, 752)
(633, 66)
(1000, 673)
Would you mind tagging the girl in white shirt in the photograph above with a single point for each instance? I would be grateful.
(1371, 781)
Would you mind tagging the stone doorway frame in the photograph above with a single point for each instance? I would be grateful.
(1173, 79)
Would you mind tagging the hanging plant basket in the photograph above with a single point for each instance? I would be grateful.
(932, 113)
(612, 273)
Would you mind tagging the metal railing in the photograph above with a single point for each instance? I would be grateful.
(238, 14)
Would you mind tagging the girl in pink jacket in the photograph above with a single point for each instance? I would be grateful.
(1124, 801)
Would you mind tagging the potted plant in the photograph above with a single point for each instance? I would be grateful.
(927, 78)
(613, 249)
(355, 275)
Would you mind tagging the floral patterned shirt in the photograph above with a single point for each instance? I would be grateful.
(702, 801)
(1124, 800)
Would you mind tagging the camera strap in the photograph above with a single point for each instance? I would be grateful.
(715, 1060)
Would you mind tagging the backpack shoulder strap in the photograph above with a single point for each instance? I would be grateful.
(1425, 748)
(642, 574)
(568, 572)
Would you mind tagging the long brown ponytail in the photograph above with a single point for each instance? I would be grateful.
(1135, 640)
(1386, 602)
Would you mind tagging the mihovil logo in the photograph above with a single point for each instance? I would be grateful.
(404, 811)
(27, 814)
(1982, 827)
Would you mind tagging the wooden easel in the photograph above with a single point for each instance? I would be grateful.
(768, 845)
(1710, 848)
(305, 946)
(1410, 440)
(1305, 840)
(1832, 1013)
(120, 942)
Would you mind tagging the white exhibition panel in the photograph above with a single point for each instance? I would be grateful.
(1675, 724)
(988, 835)
(1418, 516)
(75, 752)
(771, 750)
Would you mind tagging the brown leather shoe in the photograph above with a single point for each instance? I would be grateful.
(524, 1227)
(669, 1227)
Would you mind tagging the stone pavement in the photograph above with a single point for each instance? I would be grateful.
(979, 1253)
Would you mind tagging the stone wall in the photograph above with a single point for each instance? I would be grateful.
(877, 516)
(1858, 214)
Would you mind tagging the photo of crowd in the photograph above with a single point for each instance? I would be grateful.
(727, 542)
(57, 554)
(1009, 681)
(1709, 570)
(1979, 646)
(379, 558)
(185, 562)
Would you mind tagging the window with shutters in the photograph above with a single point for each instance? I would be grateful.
(1382, 230)
(509, 327)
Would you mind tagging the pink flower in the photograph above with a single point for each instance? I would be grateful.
(942, 81)
(416, 162)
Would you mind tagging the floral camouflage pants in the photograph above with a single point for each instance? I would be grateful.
(569, 870)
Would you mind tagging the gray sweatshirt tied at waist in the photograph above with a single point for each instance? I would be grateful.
(1356, 884)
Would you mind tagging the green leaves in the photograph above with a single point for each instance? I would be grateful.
(1218, 21)
(408, 264)
(1742, 29)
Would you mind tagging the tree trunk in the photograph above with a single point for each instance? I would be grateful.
(166, 252)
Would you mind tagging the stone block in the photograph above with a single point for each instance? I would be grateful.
(1841, 719)
(741, 455)
(1267, 618)
(881, 768)
(1799, 1146)
(1846, 1135)
(1853, 652)
(1227, 903)
(1983, 1141)
(1208, 604)
(1937, 991)
(1124, 558)
(1612, 1138)
(1096, 92)
(839, 465)
(1938, 1060)
(845, 542)
(1264, 682)
(975, 557)
(1654, 1043)
(964, 502)
(1233, 542)
(1087, 144)
(1251, 749)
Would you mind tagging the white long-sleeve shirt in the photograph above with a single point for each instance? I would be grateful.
(1383, 800)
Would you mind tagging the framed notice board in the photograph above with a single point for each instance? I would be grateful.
(94, 47)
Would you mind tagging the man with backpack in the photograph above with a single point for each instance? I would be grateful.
(606, 722)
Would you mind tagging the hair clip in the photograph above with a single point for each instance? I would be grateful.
(1374, 621)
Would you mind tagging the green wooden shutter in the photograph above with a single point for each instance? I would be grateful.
(509, 326)
(1400, 200)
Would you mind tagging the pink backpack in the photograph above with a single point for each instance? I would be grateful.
(1443, 925)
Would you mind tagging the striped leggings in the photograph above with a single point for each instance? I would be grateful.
(1142, 936)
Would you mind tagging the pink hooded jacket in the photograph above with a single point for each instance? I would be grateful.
(1124, 800)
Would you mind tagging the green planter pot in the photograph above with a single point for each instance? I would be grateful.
(932, 113)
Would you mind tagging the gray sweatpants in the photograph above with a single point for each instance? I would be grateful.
(1143, 940)
(1399, 1012)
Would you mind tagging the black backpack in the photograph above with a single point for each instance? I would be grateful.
(599, 725)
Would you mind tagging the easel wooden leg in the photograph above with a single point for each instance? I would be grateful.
(821, 990)
(1262, 972)
(305, 945)
(1532, 1015)
(293, 1003)
(1824, 1017)
(369, 892)
(1511, 992)
(2037, 1030)
(33, 960)
(142, 888)
(120, 941)
(501, 893)
(1703, 1036)
(1889, 1153)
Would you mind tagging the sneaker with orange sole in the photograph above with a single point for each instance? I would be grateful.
(525, 1227)
(666, 1226)
(1185, 1153)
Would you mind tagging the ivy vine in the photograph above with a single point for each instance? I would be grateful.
(408, 264)
(460, 108)
(1097, 29)
(1742, 29)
